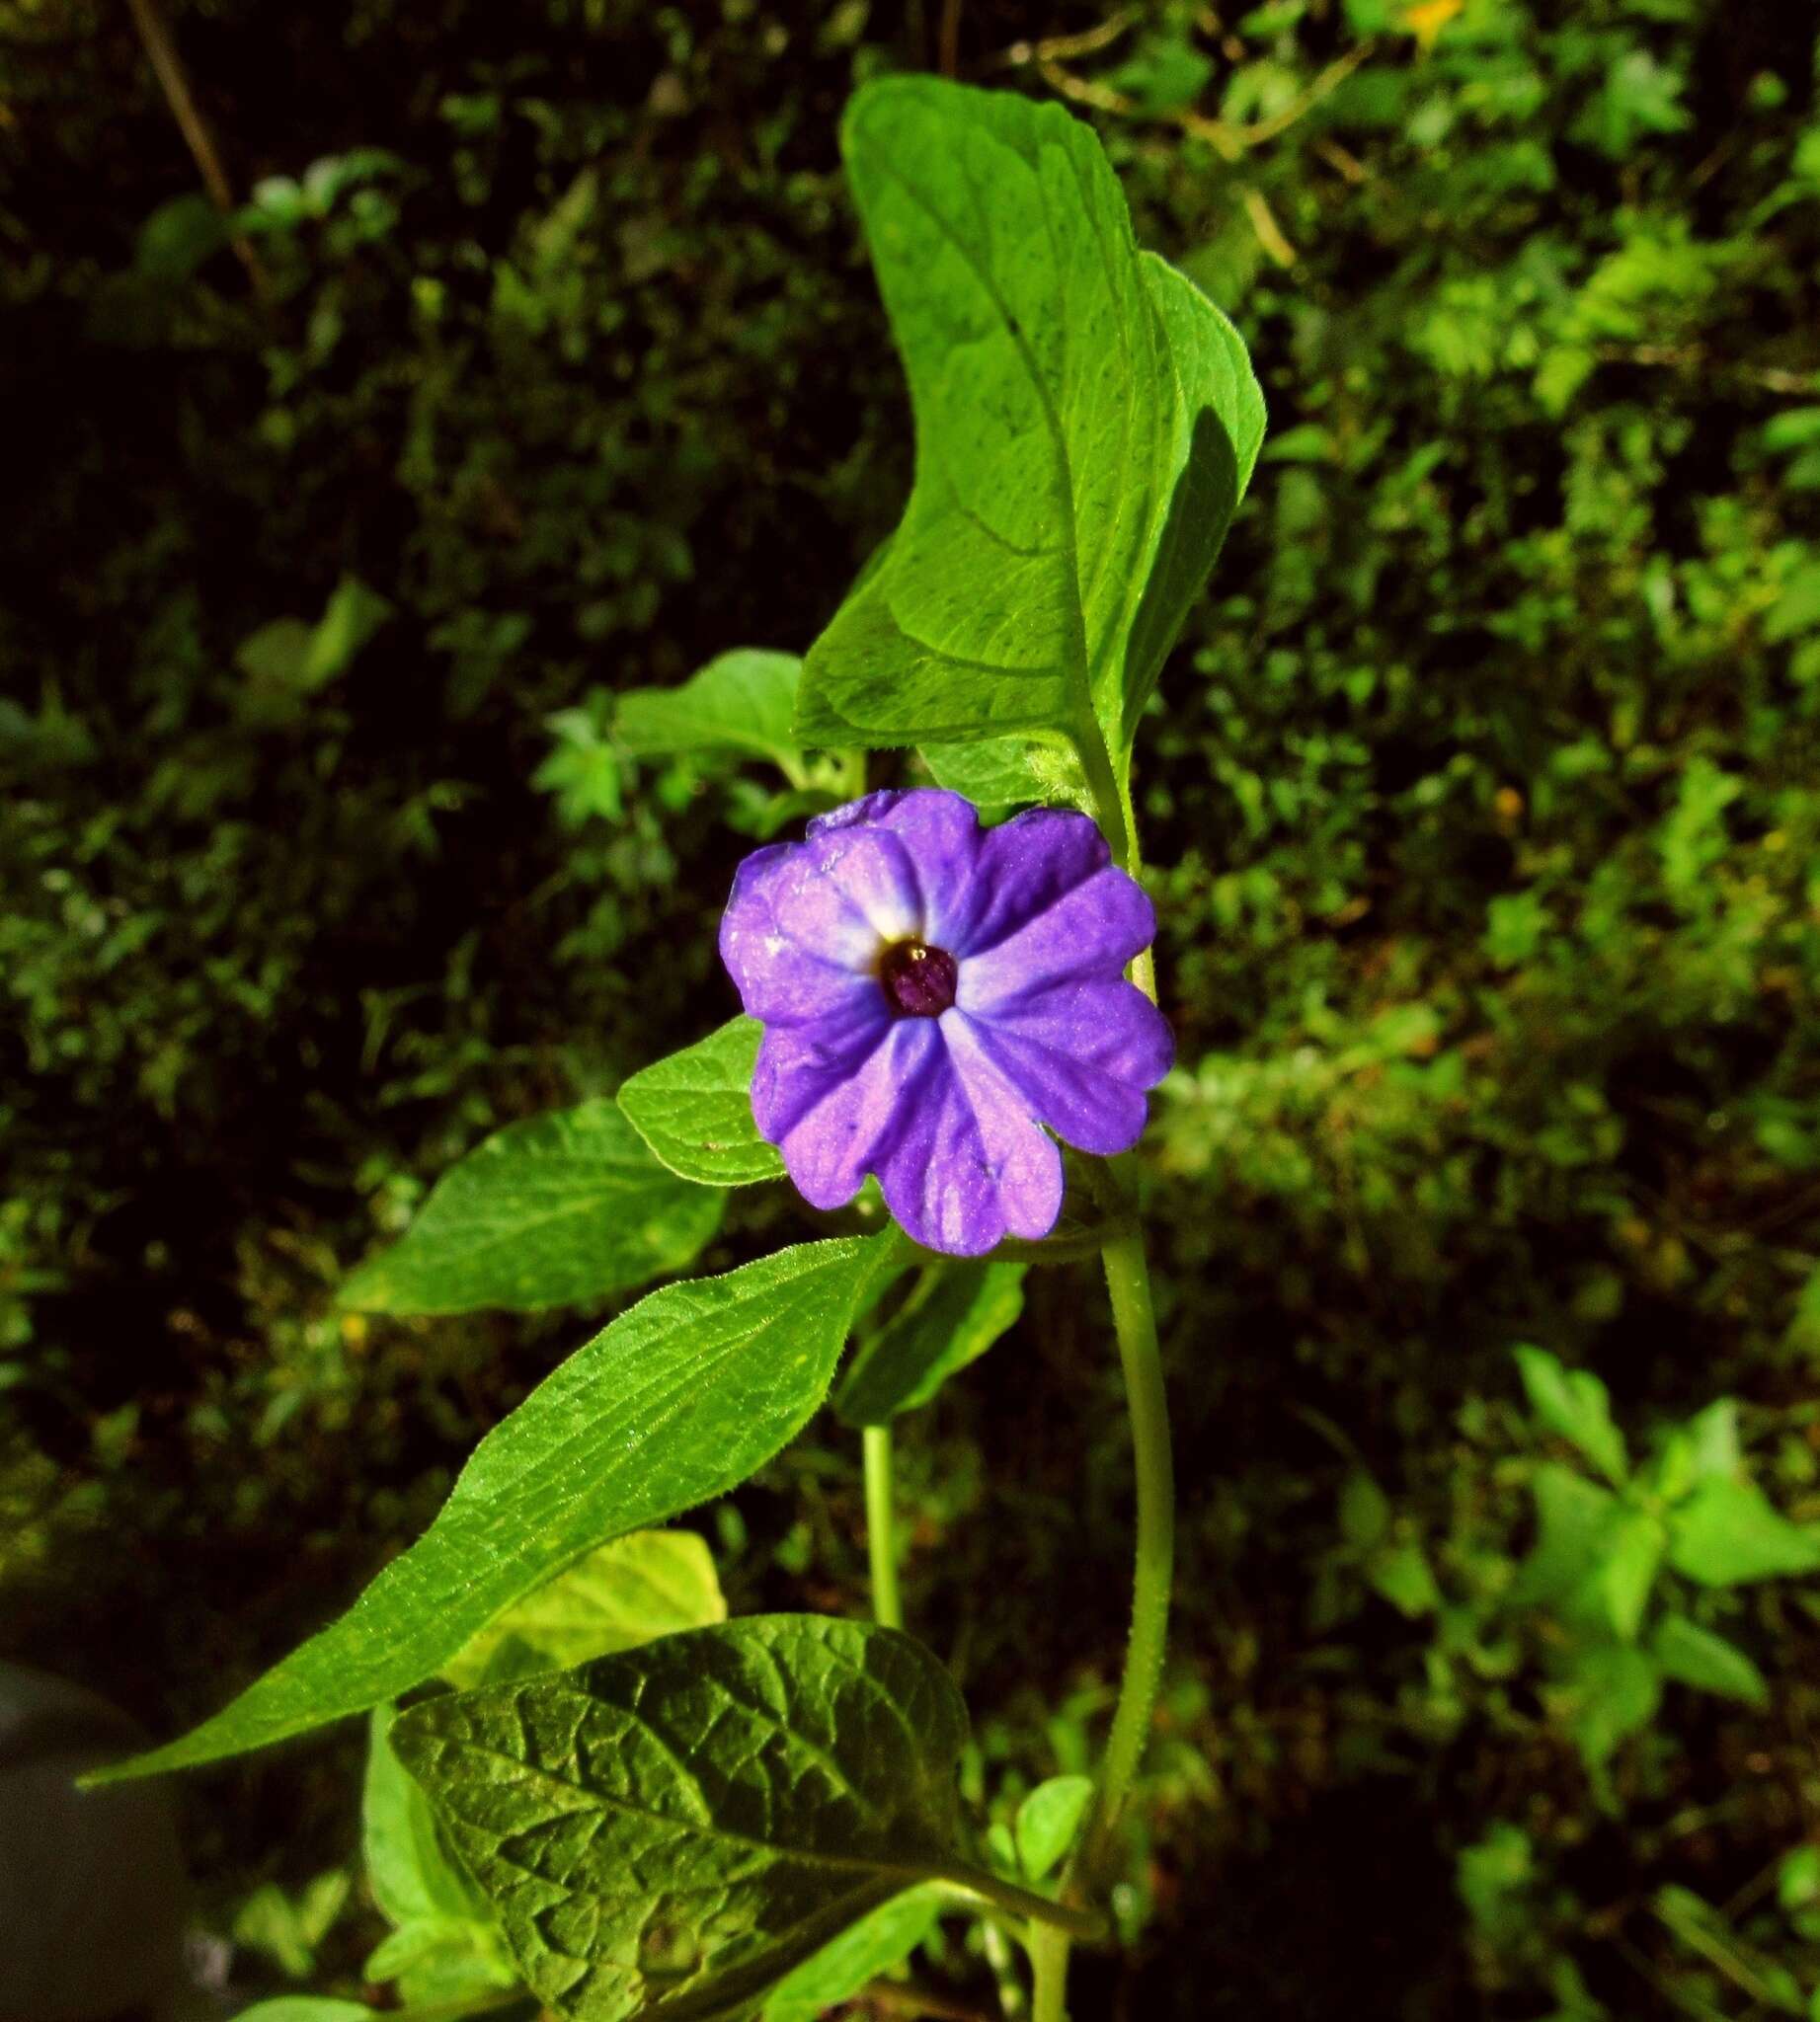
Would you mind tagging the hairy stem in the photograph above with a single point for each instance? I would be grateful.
(1128, 1281)
(881, 1537)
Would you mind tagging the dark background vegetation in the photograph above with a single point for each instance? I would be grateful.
(1486, 794)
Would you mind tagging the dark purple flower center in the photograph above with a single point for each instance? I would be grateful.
(917, 978)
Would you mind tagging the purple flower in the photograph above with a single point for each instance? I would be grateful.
(932, 995)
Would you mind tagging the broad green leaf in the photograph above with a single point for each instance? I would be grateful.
(1577, 1525)
(1574, 1403)
(1046, 1822)
(741, 703)
(1365, 1511)
(568, 1206)
(1727, 1531)
(654, 1583)
(1614, 1690)
(860, 1954)
(674, 1830)
(1629, 1571)
(353, 615)
(953, 1315)
(1002, 773)
(1703, 1449)
(676, 1402)
(1699, 1658)
(1056, 433)
(695, 1109)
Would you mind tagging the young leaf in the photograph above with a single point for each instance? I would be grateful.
(863, 1951)
(1046, 1822)
(568, 1206)
(694, 1110)
(1727, 1531)
(1708, 1662)
(1614, 1690)
(680, 1826)
(654, 1583)
(1577, 1524)
(952, 1317)
(306, 2008)
(676, 1402)
(1629, 1572)
(1574, 1403)
(741, 703)
(1056, 433)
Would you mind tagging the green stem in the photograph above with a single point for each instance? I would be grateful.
(1128, 1281)
(880, 1539)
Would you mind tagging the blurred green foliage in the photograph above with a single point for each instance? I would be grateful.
(1487, 792)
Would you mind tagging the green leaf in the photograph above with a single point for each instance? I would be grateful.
(411, 1878)
(353, 614)
(440, 1962)
(306, 2008)
(682, 1826)
(1614, 1690)
(1577, 1525)
(1061, 455)
(676, 1402)
(1574, 1403)
(863, 1951)
(654, 1583)
(1629, 1571)
(1699, 1658)
(1727, 1531)
(1046, 1822)
(740, 703)
(953, 1315)
(1365, 1511)
(564, 1208)
(1002, 773)
(1401, 1575)
(695, 1109)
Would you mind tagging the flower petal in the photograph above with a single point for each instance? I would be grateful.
(1082, 1054)
(968, 1164)
(806, 921)
(1028, 865)
(840, 1118)
(1091, 931)
(940, 832)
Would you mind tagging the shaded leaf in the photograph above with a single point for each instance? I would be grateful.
(567, 1207)
(1629, 1571)
(674, 1830)
(1614, 1690)
(676, 1402)
(654, 1583)
(953, 1315)
(413, 1880)
(1002, 773)
(694, 1110)
(863, 1951)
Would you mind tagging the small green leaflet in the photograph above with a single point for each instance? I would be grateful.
(860, 1955)
(694, 1110)
(953, 1315)
(676, 1402)
(1574, 1403)
(444, 1945)
(1697, 1658)
(1046, 1822)
(1084, 426)
(741, 703)
(654, 1583)
(568, 1206)
(671, 1830)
